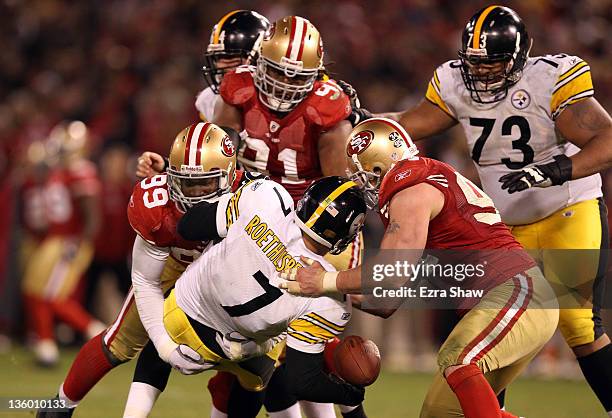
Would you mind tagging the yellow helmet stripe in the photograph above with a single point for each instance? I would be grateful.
(220, 25)
(327, 201)
(478, 27)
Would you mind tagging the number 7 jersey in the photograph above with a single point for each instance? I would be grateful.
(519, 131)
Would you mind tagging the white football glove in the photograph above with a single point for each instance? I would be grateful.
(237, 347)
(183, 358)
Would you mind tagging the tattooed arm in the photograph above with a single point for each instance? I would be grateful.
(410, 211)
(587, 125)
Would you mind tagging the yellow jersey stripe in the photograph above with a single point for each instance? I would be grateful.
(302, 338)
(319, 325)
(580, 84)
(324, 321)
(572, 76)
(327, 201)
(478, 26)
(434, 97)
(305, 334)
(571, 71)
(574, 99)
(436, 79)
(219, 25)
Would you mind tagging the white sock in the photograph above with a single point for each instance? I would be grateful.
(140, 400)
(345, 408)
(69, 402)
(215, 413)
(318, 410)
(292, 412)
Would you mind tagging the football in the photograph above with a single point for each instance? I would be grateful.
(357, 361)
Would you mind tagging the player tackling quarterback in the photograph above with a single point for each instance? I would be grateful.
(495, 340)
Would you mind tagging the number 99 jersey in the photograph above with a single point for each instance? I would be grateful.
(154, 216)
(519, 131)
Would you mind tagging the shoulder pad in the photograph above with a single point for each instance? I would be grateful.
(404, 174)
(146, 221)
(237, 86)
(327, 104)
(572, 81)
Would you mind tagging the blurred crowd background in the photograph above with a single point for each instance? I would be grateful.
(131, 69)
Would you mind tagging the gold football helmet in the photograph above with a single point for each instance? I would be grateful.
(374, 146)
(290, 57)
(202, 164)
(67, 142)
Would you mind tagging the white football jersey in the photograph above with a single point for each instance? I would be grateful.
(234, 285)
(205, 103)
(519, 131)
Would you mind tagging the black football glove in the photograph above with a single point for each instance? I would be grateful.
(542, 175)
(355, 394)
(358, 114)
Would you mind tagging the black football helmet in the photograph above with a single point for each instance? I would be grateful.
(331, 212)
(237, 34)
(495, 34)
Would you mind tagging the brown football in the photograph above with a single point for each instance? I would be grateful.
(357, 360)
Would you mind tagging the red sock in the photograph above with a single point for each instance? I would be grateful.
(220, 386)
(475, 395)
(39, 316)
(88, 368)
(506, 414)
(72, 313)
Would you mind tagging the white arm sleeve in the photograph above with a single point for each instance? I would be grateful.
(147, 264)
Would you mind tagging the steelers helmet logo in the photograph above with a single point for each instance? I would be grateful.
(359, 142)
(520, 99)
(227, 146)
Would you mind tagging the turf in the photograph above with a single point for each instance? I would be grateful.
(393, 395)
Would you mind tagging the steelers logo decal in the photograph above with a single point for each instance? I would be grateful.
(359, 142)
(227, 146)
(520, 99)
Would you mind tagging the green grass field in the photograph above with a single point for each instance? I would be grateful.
(393, 395)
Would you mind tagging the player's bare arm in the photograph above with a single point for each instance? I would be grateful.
(423, 202)
(587, 125)
(423, 120)
(332, 144)
(227, 115)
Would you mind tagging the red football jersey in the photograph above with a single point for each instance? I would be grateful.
(33, 209)
(284, 146)
(154, 217)
(468, 220)
(62, 190)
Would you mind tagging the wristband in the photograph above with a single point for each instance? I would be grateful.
(329, 282)
(165, 346)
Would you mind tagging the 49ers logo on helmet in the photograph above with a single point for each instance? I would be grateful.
(359, 142)
(227, 146)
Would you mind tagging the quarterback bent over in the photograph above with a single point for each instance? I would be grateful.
(231, 293)
(427, 204)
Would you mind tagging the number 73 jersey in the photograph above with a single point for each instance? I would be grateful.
(519, 131)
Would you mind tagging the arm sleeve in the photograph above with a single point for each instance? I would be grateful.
(308, 381)
(196, 224)
(147, 265)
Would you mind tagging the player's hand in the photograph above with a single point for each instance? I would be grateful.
(310, 280)
(541, 175)
(238, 347)
(150, 164)
(188, 361)
(358, 113)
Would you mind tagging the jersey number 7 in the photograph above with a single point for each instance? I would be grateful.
(270, 294)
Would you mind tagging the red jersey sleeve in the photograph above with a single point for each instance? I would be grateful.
(404, 174)
(147, 221)
(327, 104)
(237, 86)
(83, 179)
